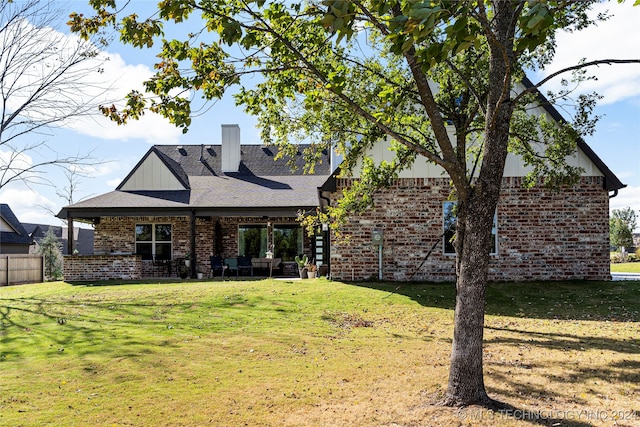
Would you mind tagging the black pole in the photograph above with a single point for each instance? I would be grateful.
(194, 258)
(69, 234)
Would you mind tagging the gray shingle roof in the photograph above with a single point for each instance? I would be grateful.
(261, 183)
(258, 160)
(20, 236)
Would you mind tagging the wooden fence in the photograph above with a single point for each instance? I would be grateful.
(21, 269)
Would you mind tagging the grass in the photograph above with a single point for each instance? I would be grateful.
(625, 267)
(266, 353)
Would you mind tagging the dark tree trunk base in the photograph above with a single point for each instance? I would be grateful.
(484, 401)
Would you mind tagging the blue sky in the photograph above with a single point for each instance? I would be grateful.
(616, 141)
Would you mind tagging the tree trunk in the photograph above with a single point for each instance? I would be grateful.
(476, 211)
(466, 381)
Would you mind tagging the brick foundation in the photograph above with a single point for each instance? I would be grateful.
(542, 234)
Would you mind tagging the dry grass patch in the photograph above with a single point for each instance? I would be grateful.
(311, 353)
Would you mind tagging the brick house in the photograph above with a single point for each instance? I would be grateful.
(199, 201)
(539, 234)
(234, 199)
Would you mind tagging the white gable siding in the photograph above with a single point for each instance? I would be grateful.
(152, 174)
(4, 226)
(423, 169)
(514, 166)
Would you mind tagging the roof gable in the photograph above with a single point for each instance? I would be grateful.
(584, 157)
(261, 186)
(11, 230)
(155, 172)
(611, 181)
(6, 227)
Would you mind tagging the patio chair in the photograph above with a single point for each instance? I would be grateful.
(217, 265)
(162, 265)
(231, 264)
(244, 263)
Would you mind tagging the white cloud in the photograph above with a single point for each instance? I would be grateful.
(30, 206)
(98, 169)
(628, 197)
(114, 182)
(616, 38)
(122, 78)
(104, 79)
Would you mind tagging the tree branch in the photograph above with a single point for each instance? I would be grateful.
(535, 87)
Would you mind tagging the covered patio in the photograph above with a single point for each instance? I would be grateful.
(132, 247)
(192, 202)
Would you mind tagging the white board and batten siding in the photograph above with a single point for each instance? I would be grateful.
(422, 168)
(514, 166)
(152, 175)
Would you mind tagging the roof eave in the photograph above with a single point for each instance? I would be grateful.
(611, 181)
(92, 214)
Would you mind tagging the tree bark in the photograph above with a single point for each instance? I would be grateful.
(466, 380)
(475, 219)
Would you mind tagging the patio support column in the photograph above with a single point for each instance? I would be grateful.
(69, 234)
(194, 257)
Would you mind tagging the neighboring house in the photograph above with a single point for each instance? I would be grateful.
(199, 200)
(14, 239)
(83, 237)
(232, 200)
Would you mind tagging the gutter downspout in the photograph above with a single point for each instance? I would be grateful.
(615, 193)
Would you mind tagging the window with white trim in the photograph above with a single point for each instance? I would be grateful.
(153, 241)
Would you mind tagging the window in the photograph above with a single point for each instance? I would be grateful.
(153, 240)
(449, 229)
(287, 241)
(449, 225)
(252, 240)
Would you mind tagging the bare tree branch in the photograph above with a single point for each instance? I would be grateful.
(535, 87)
(46, 79)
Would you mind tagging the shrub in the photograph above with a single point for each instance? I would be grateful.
(615, 257)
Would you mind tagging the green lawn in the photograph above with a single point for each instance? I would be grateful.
(313, 352)
(625, 267)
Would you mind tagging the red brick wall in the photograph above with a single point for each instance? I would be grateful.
(542, 234)
(117, 234)
(102, 267)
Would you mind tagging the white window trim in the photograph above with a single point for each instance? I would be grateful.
(153, 240)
